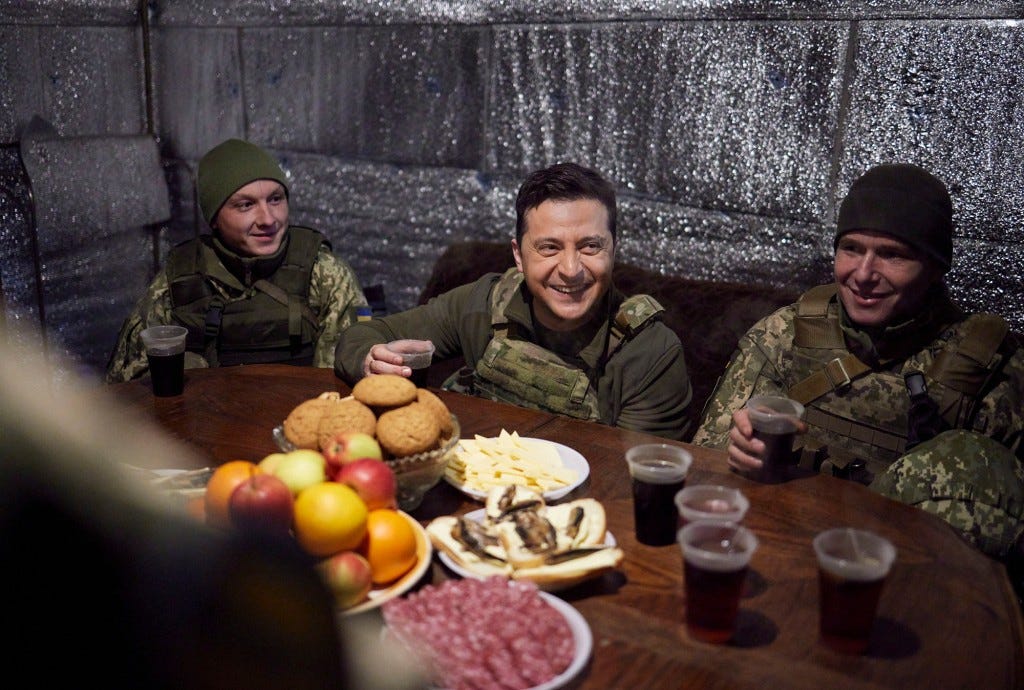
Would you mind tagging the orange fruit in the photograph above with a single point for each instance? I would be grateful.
(329, 517)
(222, 483)
(390, 545)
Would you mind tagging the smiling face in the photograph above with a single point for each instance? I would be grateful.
(882, 281)
(566, 255)
(253, 220)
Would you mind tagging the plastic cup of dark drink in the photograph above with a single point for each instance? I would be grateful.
(716, 557)
(774, 419)
(712, 503)
(658, 471)
(417, 355)
(852, 568)
(165, 350)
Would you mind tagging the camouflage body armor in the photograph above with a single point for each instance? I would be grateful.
(523, 373)
(858, 425)
(263, 317)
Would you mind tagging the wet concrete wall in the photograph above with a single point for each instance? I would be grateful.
(732, 128)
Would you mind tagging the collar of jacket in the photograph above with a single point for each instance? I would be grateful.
(519, 313)
(901, 340)
(249, 269)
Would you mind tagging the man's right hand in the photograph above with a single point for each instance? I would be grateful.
(381, 360)
(745, 451)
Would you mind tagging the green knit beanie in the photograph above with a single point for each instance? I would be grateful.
(228, 167)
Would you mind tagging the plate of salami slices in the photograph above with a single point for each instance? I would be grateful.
(525, 638)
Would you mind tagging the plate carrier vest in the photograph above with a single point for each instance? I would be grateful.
(523, 373)
(267, 321)
(957, 379)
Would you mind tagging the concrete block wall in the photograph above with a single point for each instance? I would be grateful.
(732, 128)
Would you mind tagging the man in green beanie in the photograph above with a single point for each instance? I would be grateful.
(255, 289)
(903, 391)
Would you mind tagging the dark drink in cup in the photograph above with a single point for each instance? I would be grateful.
(653, 509)
(165, 351)
(712, 601)
(419, 376)
(778, 453)
(658, 472)
(716, 557)
(774, 419)
(847, 611)
(852, 568)
(167, 372)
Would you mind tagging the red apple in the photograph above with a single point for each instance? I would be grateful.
(262, 502)
(348, 575)
(372, 479)
(349, 446)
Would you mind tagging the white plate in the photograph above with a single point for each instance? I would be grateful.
(581, 635)
(570, 459)
(478, 516)
(583, 640)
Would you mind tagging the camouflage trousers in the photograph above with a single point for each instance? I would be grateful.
(970, 481)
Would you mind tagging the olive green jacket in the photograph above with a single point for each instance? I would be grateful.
(334, 294)
(644, 385)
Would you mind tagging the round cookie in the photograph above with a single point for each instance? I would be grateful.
(345, 415)
(408, 430)
(303, 422)
(384, 390)
(433, 403)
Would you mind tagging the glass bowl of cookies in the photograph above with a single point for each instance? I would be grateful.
(416, 431)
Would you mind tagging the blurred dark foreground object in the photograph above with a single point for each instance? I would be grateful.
(105, 582)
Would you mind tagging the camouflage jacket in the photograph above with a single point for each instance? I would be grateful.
(643, 386)
(768, 361)
(334, 294)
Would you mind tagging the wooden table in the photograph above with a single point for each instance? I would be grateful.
(947, 619)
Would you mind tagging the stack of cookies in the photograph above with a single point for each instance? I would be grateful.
(406, 420)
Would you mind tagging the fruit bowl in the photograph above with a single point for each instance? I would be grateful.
(415, 474)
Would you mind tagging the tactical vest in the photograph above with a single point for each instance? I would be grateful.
(520, 372)
(269, 320)
(860, 418)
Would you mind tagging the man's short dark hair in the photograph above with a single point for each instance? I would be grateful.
(564, 182)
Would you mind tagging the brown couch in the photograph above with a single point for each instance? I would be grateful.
(708, 316)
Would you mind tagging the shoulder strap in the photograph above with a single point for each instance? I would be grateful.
(813, 327)
(968, 367)
(501, 296)
(633, 316)
(837, 374)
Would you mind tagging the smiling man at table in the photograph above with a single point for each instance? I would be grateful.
(552, 333)
(904, 391)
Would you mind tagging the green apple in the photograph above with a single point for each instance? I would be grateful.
(300, 469)
(349, 446)
(269, 463)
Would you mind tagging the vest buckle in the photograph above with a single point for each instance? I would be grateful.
(837, 374)
(213, 318)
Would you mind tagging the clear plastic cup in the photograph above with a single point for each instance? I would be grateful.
(774, 418)
(165, 351)
(711, 502)
(658, 472)
(716, 557)
(853, 565)
(417, 355)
